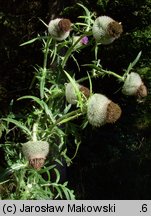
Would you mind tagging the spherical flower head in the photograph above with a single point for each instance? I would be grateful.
(36, 152)
(134, 85)
(105, 30)
(59, 29)
(101, 110)
(70, 92)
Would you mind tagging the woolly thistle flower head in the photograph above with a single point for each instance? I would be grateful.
(36, 152)
(59, 29)
(134, 85)
(101, 110)
(70, 92)
(106, 30)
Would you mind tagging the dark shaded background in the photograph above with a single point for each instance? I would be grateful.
(114, 161)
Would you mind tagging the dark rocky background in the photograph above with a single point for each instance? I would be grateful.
(114, 161)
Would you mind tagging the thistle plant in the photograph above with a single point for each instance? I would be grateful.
(37, 137)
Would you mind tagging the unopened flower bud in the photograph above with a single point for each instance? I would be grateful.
(106, 30)
(101, 110)
(134, 85)
(36, 152)
(59, 29)
(83, 41)
(70, 92)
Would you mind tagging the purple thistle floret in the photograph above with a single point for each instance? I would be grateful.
(84, 40)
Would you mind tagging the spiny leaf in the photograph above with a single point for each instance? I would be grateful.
(33, 40)
(59, 193)
(57, 175)
(36, 99)
(30, 41)
(18, 124)
(132, 64)
(86, 10)
(48, 112)
(136, 59)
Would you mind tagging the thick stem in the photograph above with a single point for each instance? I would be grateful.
(120, 78)
(85, 78)
(46, 50)
(34, 132)
(44, 71)
(100, 72)
(68, 117)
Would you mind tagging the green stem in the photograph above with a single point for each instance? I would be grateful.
(73, 114)
(121, 78)
(99, 73)
(44, 71)
(70, 50)
(68, 117)
(34, 132)
(46, 53)
(100, 70)
(85, 78)
(42, 83)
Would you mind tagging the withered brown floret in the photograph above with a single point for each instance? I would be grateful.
(85, 91)
(115, 29)
(141, 91)
(37, 163)
(113, 112)
(64, 25)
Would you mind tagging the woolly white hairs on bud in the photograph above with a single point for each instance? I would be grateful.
(35, 149)
(132, 83)
(36, 152)
(97, 109)
(70, 93)
(106, 30)
(99, 30)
